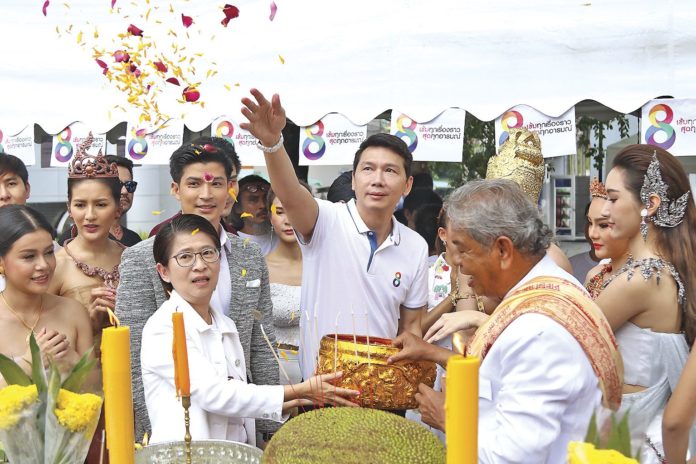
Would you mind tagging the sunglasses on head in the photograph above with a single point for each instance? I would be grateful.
(253, 188)
(130, 186)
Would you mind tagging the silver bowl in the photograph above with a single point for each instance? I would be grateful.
(202, 452)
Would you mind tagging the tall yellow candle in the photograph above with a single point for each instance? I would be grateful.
(118, 394)
(461, 410)
(180, 352)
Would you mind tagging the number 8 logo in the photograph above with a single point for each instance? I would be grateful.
(661, 126)
(64, 143)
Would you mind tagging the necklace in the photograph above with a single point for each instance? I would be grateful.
(110, 279)
(29, 327)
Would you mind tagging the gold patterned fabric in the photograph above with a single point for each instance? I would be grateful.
(569, 306)
(381, 385)
(521, 161)
(596, 284)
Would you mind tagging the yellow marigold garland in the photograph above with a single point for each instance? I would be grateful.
(13, 399)
(76, 411)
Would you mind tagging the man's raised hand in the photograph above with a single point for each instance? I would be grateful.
(266, 118)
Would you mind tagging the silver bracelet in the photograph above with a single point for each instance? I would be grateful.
(272, 149)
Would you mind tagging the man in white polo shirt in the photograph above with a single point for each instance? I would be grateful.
(363, 271)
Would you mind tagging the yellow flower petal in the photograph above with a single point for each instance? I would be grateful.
(245, 214)
(195, 231)
(244, 272)
(283, 355)
(157, 213)
(282, 60)
(274, 210)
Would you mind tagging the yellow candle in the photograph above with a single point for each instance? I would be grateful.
(118, 394)
(461, 410)
(181, 367)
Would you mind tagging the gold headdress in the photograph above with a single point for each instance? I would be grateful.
(520, 160)
(86, 166)
(598, 190)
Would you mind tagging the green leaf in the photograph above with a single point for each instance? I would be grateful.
(80, 372)
(12, 373)
(592, 435)
(37, 370)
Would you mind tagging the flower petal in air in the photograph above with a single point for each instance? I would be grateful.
(113, 2)
(186, 20)
(191, 94)
(274, 9)
(134, 30)
(173, 80)
(230, 12)
(282, 60)
(121, 56)
(243, 215)
(45, 7)
(161, 67)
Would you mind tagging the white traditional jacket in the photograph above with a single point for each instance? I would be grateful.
(223, 404)
(537, 388)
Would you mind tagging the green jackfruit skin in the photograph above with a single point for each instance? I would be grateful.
(353, 436)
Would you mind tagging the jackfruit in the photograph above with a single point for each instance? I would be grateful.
(353, 436)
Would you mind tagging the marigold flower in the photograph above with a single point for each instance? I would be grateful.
(77, 411)
(13, 399)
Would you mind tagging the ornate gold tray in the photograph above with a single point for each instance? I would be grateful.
(365, 368)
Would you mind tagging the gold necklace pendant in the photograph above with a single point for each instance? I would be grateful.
(29, 327)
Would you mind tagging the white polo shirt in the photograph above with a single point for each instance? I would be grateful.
(347, 278)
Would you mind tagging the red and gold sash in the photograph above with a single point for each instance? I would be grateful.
(569, 306)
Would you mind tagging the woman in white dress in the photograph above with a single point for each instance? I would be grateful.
(649, 301)
(285, 277)
(223, 404)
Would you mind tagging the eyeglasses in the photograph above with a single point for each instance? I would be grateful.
(188, 258)
(130, 186)
(253, 188)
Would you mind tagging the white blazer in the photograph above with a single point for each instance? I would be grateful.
(223, 404)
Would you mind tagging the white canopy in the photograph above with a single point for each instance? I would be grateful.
(358, 58)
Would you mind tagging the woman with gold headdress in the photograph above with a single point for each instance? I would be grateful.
(87, 266)
(649, 300)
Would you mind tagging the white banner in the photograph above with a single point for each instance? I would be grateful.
(65, 143)
(244, 143)
(156, 147)
(20, 145)
(557, 134)
(333, 140)
(670, 124)
(441, 139)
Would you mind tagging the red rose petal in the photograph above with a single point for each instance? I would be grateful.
(45, 7)
(210, 148)
(101, 63)
(173, 80)
(274, 9)
(113, 2)
(121, 56)
(135, 30)
(190, 94)
(186, 20)
(161, 67)
(230, 12)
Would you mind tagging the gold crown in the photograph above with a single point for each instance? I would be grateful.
(85, 166)
(597, 189)
(365, 368)
(520, 160)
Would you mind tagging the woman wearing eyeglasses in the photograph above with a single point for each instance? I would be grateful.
(223, 404)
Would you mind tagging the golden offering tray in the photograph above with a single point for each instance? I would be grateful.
(202, 452)
(365, 368)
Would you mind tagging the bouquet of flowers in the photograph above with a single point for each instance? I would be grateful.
(609, 445)
(44, 420)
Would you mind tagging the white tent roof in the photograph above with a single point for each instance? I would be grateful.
(358, 58)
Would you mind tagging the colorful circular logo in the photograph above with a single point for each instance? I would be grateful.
(137, 146)
(64, 149)
(314, 135)
(225, 129)
(663, 125)
(407, 131)
(397, 279)
(504, 122)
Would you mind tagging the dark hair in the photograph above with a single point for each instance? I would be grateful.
(676, 244)
(218, 151)
(425, 221)
(17, 221)
(121, 161)
(184, 224)
(341, 188)
(251, 179)
(12, 164)
(113, 183)
(441, 223)
(423, 180)
(390, 142)
(419, 197)
(271, 194)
